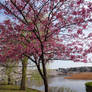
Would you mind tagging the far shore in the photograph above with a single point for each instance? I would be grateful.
(80, 76)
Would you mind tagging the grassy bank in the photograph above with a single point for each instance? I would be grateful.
(81, 76)
(13, 88)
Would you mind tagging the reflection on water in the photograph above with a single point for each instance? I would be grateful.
(76, 85)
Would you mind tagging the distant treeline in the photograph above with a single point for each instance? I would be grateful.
(75, 69)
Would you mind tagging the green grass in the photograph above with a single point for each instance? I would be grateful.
(35, 75)
(13, 88)
(88, 84)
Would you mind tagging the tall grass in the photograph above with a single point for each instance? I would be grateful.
(61, 89)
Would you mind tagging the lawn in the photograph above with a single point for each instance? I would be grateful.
(13, 88)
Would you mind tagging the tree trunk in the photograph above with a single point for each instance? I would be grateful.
(9, 80)
(44, 69)
(45, 77)
(45, 84)
(24, 68)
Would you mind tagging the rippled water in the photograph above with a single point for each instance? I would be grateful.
(76, 85)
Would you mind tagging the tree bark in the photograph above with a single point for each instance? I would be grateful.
(24, 68)
(45, 77)
(9, 80)
(46, 85)
(44, 69)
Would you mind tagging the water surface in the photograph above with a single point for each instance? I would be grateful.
(76, 85)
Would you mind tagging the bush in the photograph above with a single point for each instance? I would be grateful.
(88, 86)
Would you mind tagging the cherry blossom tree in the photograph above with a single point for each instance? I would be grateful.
(34, 28)
(79, 47)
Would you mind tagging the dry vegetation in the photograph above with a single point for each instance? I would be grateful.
(82, 76)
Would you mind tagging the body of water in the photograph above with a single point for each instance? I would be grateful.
(75, 85)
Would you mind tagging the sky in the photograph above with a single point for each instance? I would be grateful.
(2, 18)
(66, 64)
(59, 63)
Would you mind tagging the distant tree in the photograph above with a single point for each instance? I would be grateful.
(83, 69)
(9, 67)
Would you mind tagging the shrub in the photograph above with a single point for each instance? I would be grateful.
(88, 86)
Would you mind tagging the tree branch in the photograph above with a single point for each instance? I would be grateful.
(19, 11)
(8, 10)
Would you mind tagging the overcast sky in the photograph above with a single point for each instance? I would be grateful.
(2, 18)
(66, 64)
